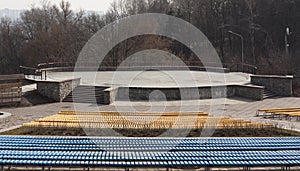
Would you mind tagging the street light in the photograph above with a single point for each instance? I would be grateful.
(287, 45)
(242, 40)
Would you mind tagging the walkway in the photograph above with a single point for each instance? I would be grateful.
(235, 108)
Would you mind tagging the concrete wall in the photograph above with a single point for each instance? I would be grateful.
(57, 90)
(214, 92)
(296, 82)
(107, 96)
(143, 94)
(186, 93)
(248, 91)
(281, 85)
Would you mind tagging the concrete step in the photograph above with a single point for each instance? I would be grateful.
(268, 94)
(88, 94)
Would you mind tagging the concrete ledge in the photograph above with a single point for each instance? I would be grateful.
(249, 91)
(280, 85)
(187, 93)
(148, 68)
(11, 128)
(57, 90)
(107, 96)
(4, 115)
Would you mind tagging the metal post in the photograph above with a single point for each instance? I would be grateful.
(242, 43)
(286, 43)
(242, 39)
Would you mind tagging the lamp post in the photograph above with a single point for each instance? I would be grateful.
(242, 40)
(287, 45)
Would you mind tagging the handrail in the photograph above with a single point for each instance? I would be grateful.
(41, 70)
(55, 64)
(239, 67)
(30, 71)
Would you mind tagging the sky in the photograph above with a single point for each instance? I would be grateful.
(93, 5)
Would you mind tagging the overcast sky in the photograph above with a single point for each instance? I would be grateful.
(95, 5)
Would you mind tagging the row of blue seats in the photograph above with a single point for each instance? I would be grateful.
(152, 153)
(75, 148)
(154, 140)
(188, 152)
(149, 158)
(198, 163)
(146, 142)
(29, 144)
(90, 142)
(70, 144)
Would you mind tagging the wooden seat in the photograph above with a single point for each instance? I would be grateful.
(276, 110)
(131, 120)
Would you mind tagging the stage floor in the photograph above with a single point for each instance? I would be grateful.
(153, 78)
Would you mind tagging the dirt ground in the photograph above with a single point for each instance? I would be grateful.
(227, 132)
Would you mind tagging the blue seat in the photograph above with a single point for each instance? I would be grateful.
(138, 152)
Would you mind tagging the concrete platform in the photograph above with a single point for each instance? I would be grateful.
(167, 84)
(153, 78)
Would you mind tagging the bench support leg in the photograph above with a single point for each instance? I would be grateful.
(285, 168)
(207, 169)
(246, 168)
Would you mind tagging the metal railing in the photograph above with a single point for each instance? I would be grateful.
(40, 72)
(239, 67)
(30, 72)
(55, 65)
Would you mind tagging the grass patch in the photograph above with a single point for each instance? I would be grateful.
(224, 132)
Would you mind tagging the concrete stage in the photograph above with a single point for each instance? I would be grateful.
(154, 79)
(141, 86)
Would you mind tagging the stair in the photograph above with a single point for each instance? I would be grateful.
(89, 94)
(268, 94)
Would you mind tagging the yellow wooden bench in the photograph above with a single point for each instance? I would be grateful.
(276, 110)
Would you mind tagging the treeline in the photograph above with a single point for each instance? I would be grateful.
(50, 33)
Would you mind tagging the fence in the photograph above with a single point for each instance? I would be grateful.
(10, 88)
(40, 72)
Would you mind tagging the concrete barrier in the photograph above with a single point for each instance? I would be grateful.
(206, 92)
(280, 85)
(57, 90)
(248, 91)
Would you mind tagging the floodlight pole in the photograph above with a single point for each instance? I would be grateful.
(242, 40)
